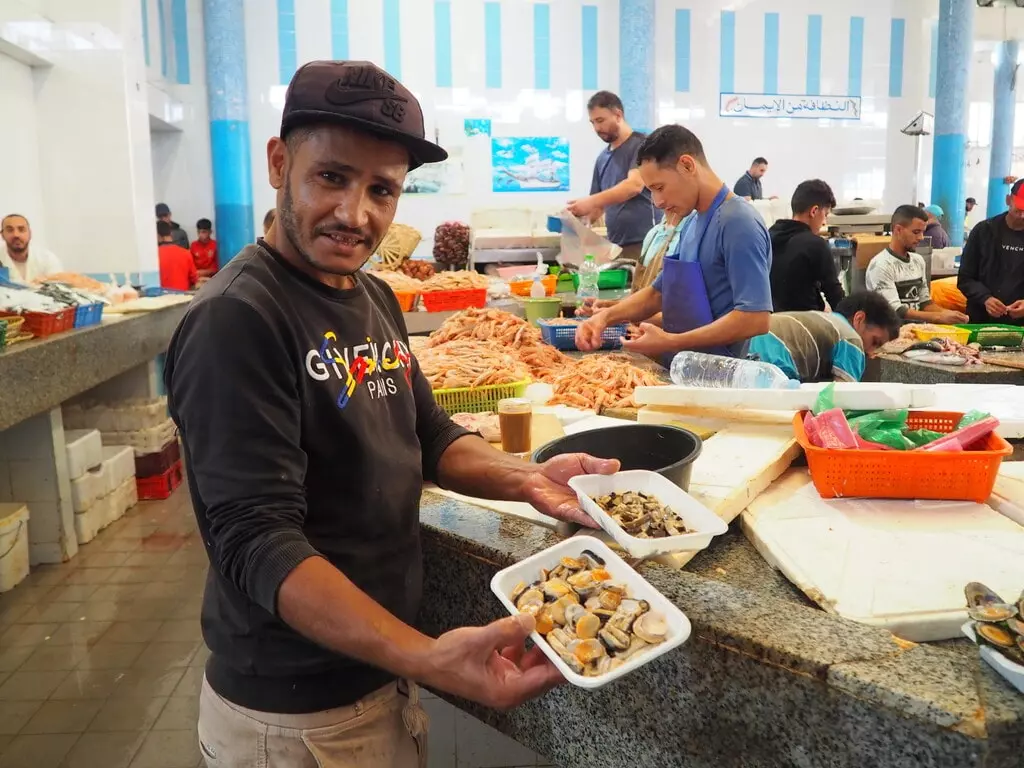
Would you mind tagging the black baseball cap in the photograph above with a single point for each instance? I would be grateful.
(162, 210)
(364, 96)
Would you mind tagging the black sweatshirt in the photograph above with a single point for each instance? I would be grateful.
(992, 264)
(802, 269)
(308, 429)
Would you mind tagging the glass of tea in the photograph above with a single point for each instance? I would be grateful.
(515, 416)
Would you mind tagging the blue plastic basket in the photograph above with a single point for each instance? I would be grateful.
(155, 290)
(562, 336)
(88, 314)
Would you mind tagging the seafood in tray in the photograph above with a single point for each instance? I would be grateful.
(642, 515)
(596, 618)
(998, 627)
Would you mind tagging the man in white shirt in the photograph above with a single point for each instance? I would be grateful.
(899, 274)
(15, 257)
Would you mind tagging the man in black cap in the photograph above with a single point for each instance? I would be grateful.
(308, 430)
(178, 235)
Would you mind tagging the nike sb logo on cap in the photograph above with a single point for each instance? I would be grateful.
(359, 84)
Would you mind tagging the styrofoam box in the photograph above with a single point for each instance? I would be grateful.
(1011, 672)
(86, 489)
(118, 464)
(84, 449)
(504, 582)
(89, 523)
(704, 523)
(124, 416)
(143, 441)
(123, 498)
(14, 549)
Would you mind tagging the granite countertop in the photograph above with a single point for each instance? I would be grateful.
(897, 368)
(767, 679)
(41, 374)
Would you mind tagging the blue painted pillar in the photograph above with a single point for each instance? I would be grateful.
(1004, 102)
(224, 38)
(636, 69)
(956, 22)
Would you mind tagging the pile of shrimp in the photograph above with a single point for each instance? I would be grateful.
(491, 325)
(601, 382)
(462, 363)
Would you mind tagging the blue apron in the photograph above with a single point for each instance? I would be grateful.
(684, 296)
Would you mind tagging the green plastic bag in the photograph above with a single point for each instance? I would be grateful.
(826, 400)
(883, 427)
(922, 436)
(970, 417)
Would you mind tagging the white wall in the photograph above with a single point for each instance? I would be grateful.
(866, 158)
(20, 186)
(182, 175)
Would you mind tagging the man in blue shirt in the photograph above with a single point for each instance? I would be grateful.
(714, 292)
(617, 189)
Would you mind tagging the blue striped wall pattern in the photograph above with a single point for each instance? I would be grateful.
(774, 26)
(145, 31)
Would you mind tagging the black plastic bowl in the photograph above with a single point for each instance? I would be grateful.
(669, 451)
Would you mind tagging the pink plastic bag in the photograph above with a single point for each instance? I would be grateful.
(811, 428)
(834, 430)
(965, 437)
(868, 445)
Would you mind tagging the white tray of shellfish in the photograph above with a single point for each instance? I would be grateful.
(647, 514)
(998, 628)
(597, 618)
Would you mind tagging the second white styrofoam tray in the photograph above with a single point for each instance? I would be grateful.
(528, 570)
(1013, 673)
(704, 523)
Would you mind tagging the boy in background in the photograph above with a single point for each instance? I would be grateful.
(204, 250)
(177, 267)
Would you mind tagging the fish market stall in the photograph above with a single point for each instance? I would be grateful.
(786, 658)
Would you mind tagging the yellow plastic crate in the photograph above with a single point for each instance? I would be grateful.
(478, 399)
(948, 332)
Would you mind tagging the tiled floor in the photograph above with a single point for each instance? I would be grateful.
(101, 658)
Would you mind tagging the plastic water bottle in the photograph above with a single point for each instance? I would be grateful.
(537, 290)
(588, 280)
(696, 369)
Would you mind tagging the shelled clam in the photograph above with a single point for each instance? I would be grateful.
(997, 623)
(591, 622)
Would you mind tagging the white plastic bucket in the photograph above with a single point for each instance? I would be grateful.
(13, 545)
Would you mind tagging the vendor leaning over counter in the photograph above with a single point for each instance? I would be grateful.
(617, 189)
(714, 292)
(308, 431)
(898, 273)
(828, 346)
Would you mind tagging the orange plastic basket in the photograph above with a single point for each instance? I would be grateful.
(964, 476)
(452, 301)
(406, 300)
(522, 287)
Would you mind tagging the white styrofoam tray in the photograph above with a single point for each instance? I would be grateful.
(84, 450)
(1013, 673)
(704, 523)
(849, 395)
(527, 570)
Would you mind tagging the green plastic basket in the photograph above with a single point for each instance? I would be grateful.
(608, 280)
(1000, 335)
(478, 399)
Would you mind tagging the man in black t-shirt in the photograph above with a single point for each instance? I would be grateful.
(992, 266)
(308, 430)
(617, 189)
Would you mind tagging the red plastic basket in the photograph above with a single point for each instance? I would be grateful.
(964, 476)
(41, 324)
(452, 301)
(159, 486)
(153, 464)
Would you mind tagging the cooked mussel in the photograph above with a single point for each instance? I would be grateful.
(984, 605)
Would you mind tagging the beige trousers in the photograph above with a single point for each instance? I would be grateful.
(386, 729)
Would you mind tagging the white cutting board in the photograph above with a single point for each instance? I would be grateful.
(901, 565)
(854, 396)
(1004, 401)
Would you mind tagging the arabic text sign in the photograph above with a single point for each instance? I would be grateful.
(797, 107)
